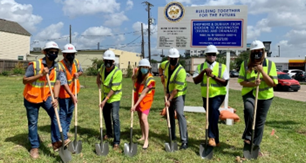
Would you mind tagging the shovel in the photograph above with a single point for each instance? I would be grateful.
(63, 151)
(249, 150)
(76, 146)
(206, 151)
(101, 148)
(130, 149)
(173, 145)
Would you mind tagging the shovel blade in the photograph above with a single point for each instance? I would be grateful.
(130, 149)
(248, 153)
(102, 149)
(65, 154)
(75, 147)
(206, 152)
(171, 147)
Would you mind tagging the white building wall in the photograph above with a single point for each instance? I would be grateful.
(14, 45)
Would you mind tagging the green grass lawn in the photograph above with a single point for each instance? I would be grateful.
(285, 116)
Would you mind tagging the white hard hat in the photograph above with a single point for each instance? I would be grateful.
(51, 45)
(69, 48)
(211, 49)
(144, 62)
(257, 45)
(109, 55)
(173, 53)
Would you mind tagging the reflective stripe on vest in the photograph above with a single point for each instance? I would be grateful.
(42, 83)
(215, 89)
(110, 84)
(253, 78)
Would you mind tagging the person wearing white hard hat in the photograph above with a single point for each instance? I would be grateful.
(249, 69)
(110, 76)
(219, 76)
(144, 90)
(174, 80)
(67, 100)
(37, 94)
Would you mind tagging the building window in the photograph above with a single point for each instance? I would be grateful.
(20, 57)
(129, 62)
(135, 63)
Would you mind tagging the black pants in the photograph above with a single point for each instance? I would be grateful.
(262, 111)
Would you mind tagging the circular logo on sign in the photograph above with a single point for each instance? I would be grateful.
(174, 11)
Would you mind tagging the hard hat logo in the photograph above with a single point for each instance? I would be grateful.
(70, 48)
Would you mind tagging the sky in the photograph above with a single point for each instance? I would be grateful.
(117, 23)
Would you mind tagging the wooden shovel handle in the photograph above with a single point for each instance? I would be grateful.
(207, 101)
(100, 109)
(76, 105)
(132, 105)
(55, 109)
(255, 105)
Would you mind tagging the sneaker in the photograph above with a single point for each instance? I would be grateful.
(184, 146)
(212, 142)
(34, 153)
(57, 145)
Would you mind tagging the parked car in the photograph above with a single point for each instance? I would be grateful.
(286, 83)
(234, 74)
(300, 76)
(292, 72)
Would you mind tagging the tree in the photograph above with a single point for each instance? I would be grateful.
(242, 57)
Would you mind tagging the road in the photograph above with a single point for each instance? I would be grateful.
(297, 96)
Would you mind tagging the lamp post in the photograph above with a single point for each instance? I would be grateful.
(278, 50)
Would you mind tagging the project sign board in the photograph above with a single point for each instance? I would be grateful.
(197, 27)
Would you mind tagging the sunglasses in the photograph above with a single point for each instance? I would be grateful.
(53, 52)
(211, 54)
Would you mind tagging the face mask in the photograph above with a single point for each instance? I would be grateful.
(52, 56)
(108, 64)
(256, 55)
(70, 57)
(144, 70)
(173, 61)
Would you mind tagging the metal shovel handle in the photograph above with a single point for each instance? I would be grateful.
(55, 109)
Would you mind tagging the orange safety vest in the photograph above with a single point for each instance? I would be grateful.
(147, 101)
(70, 80)
(38, 91)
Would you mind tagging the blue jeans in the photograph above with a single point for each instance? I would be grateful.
(111, 111)
(213, 117)
(65, 114)
(32, 115)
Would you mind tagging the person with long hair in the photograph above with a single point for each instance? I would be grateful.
(257, 63)
(144, 90)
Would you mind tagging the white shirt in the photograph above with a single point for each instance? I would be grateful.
(211, 66)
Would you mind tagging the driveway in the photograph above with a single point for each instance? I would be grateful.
(298, 96)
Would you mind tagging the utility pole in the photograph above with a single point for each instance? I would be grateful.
(98, 45)
(149, 5)
(70, 33)
(142, 42)
(278, 50)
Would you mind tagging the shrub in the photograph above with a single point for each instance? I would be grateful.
(5, 73)
(19, 69)
(93, 70)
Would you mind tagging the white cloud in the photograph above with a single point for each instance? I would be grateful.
(21, 13)
(129, 5)
(50, 32)
(115, 19)
(181, 1)
(89, 7)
